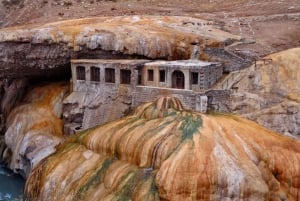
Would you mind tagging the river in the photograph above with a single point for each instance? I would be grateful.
(11, 185)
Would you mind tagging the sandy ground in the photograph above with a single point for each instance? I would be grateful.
(273, 25)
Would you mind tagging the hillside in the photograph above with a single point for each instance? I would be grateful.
(269, 92)
(273, 24)
(46, 49)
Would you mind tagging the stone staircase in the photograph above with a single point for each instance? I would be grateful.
(228, 82)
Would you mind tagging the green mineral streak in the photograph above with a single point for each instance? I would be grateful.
(65, 148)
(82, 135)
(190, 125)
(153, 189)
(134, 180)
(95, 179)
(127, 190)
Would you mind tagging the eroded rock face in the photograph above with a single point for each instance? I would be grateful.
(163, 152)
(269, 93)
(12, 92)
(35, 127)
(38, 48)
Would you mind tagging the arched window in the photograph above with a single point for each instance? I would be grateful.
(80, 73)
(177, 79)
(95, 74)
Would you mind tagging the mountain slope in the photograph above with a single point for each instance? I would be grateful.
(269, 92)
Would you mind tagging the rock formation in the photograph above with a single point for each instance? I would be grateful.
(163, 152)
(42, 49)
(269, 92)
(12, 92)
(35, 127)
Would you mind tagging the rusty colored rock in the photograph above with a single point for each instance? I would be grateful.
(269, 92)
(35, 127)
(164, 152)
(34, 49)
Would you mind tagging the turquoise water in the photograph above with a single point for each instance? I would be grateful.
(11, 185)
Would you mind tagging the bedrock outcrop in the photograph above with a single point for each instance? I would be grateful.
(164, 152)
(35, 127)
(269, 92)
(47, 48)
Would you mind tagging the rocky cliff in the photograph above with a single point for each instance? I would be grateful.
(46, 49)
(34, 128)
(163, 152)
(269, 92)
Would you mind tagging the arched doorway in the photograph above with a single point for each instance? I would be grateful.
(177, 79)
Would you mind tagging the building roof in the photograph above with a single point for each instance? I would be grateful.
(134, 62)
(110, 61)
(182, 63)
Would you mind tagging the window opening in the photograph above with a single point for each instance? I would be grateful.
(80, 72)
(110, 75)
(150, 75)
(139, 76)
(178, 80)
(162, 75)
(194, 78)
(125, 76)
(95, 74)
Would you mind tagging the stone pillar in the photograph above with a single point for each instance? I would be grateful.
(169, 77)
(201, 103)
(117, 76)
(87, 73)
(156, 76)
(73, 69)
(187, 82)
(102, 74)
(134, 77)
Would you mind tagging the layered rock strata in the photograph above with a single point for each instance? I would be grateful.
(47, 48)
(164, 152)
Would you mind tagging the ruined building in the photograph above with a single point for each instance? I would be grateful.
(104, 90)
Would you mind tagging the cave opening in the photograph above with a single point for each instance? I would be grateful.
(14, 85)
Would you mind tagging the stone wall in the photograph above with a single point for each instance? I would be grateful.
(102, 104)
(218, 100)
(189, 99)
(88, 109)
(210, 76)
(231, 61)
(97, 102)
(207, 74)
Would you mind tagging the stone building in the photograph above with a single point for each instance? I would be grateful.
(183, 74)
(93, 74)
(105, 90)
